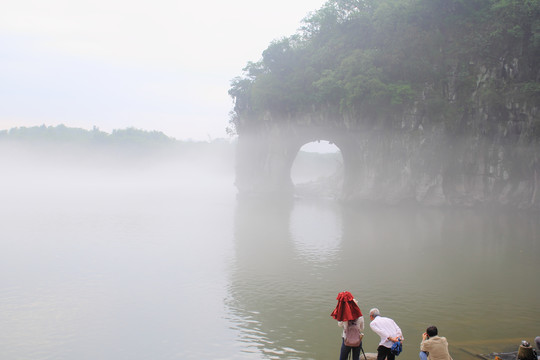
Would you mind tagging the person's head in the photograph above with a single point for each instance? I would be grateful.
(373, 313)
(432, 331)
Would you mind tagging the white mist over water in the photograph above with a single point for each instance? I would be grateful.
(107, 258)
(113, 256)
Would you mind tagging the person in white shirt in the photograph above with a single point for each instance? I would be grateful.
(388, 331)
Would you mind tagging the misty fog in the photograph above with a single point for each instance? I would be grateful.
(97, 240)
(135, 245)
(317, 171)
(197, 168)
(70, 166)
(128, 252)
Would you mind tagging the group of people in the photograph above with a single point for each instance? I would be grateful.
(348, 314)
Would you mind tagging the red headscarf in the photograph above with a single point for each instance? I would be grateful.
(346, 308)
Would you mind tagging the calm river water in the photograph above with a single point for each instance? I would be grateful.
(173, 266)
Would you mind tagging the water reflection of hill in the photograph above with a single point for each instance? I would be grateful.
(272, 297)
(459, 270)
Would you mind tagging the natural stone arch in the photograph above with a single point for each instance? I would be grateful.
(265, 158)
(405, 165)
(315, 162)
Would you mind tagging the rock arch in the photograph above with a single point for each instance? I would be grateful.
(395, 165)
(265, 157)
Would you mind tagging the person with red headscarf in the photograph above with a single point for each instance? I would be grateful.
(348, 313)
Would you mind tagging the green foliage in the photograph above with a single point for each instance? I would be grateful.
(136, 136)
(531, 89)
(374, 59)
(62, 134)
(329, 88)
(400, 93)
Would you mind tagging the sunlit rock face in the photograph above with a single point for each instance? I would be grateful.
(486, 156)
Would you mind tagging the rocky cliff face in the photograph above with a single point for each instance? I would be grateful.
(486, 155)
(427, 167)
(491, 156)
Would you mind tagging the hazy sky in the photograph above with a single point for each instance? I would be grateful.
(155, 65)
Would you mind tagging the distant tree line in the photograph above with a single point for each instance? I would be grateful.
(64, 134)
(371, 60)
(120, 147)
(130, 136)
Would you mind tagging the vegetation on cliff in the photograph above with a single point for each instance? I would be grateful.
(431, 101)
(372, 61)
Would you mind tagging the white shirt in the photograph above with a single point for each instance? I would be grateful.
(385, 328)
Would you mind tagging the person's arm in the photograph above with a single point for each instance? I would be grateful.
(360, 323)
(424, 345)
(399, 335)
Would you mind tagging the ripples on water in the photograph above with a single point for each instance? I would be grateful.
(183, 270)
(460, 270)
